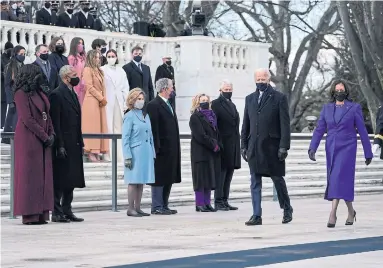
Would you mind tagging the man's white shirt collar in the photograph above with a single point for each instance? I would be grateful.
(85, 13)
(70, 15)
(49, 10)
(165, 100)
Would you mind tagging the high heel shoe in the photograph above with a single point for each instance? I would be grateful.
(202, 209)
(351, 222)
(332, 225)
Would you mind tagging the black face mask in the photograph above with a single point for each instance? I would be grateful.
(54, 9)
(86, 9)
(204, 105)
(311, 124)
(169, 62)
(70, 10)
(262, 86)
(60, 49)
(137, 58)
(103, 50)
(47, 5)
(44, 57)
(20, 58)
(227, 95)
(340, 96)
(74, 81)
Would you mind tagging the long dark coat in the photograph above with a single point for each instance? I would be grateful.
(45, 18)
(33, 162)
(68, 173)
(166, 138)
(5, 58)
(141, 79)
(228, 126)
(57, 61)
(83, 22)
(205, 163)
(379, 130)
(63, 20)
(265, 129)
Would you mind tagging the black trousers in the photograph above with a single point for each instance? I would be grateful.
(3, 113)
(160, 196)
(222, 187)
(63, 201)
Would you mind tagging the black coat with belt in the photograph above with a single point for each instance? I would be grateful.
(141, 79)
(53, 80)
(63, 20)
(205, 163)
(265, 129)
(228, 126)
(68, 173)
(84, 22)
(379, 130)
(57, 61)
(166, 138)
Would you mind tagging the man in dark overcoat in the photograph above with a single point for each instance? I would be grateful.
(265, 140)
(67, 18)
(45, 14)
(85, 19)
(378, 139)
(166, 70)
(68, 170)
(228, 126)
(167, 145)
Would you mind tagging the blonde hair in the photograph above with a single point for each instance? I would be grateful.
(195, 102)
(133, 96)
(91, 60)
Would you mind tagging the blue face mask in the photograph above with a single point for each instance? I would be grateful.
(262, 86)
(172, 94)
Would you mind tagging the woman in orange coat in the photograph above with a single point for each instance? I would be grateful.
(93, 109)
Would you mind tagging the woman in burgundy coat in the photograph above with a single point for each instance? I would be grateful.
(33, 156)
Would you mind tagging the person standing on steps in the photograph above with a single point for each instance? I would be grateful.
(378, 139)
(166, 137)
(265, 140)
(166, 70)
(228, 126)
(68, 167)
(338, 119)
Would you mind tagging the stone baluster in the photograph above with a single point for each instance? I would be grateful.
(13, 36)
(235, 57)
(22, 41)
(120, 52)
(4, 36)
(39, 37)
(241, 59)
(177, 56)
(222, 55)
(246, 58)
(215, 61)
(229, 61)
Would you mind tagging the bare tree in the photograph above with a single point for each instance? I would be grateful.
(274, 22)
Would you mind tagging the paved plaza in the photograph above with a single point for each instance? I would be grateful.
(190, 239)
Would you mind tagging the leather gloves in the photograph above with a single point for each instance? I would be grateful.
(50, 141)
(282, 154)
(61, 152)
(103, 103)
(244, 154)
(312, 155)
(128, 163)
(368, 161)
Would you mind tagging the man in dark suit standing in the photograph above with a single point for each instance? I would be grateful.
(45, 14)
(138, 74)
(68, 170)
(167, 145)
(166, 70)
(67, 18)
(5, 58)
(228, 126)
(49, 71)
(378, 139)
(265, 140)
(85, 19)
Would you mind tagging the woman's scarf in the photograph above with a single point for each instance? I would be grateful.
(210, 116)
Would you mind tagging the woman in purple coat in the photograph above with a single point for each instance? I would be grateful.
(33, 156)
(341, 119)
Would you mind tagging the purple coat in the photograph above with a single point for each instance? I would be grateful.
(33, 163)
(341, 144)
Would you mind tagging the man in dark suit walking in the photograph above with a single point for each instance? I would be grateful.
(228, 126)
(166, 70)
(138, 74)
(167, 145)
(49, 71)
(68, 169)
(265, 140)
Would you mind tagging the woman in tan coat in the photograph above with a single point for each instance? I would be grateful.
(93, 109)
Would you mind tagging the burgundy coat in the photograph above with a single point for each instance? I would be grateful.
(33, 190)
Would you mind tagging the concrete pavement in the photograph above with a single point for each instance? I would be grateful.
(111, 239)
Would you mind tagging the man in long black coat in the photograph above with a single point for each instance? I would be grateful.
(378, 139)
(67, 19)
(265, 140)
(5, 58)
(138, 74)
(166, 70)
(85, 19)
(228, 126)
(45, 15)
(68, 170)
(167, 145)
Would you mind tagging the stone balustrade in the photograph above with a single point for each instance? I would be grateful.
(200, 62)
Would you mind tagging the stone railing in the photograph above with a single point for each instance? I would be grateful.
(200, 62)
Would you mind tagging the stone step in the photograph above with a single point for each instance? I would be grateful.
(189, 198)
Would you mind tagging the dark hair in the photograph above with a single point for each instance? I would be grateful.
(73, 46)
(346, 89)
(14, 65)
(113, 51)
(137, 48)
(52, 45)
(98, 43)
(29, 78)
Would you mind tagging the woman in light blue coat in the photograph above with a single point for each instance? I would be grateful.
(138, 151)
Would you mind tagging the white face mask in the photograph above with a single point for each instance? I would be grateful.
(111, 61)
(139, 104)
(14, 6)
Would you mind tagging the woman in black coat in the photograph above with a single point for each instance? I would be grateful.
(205, 151)
(57, 59)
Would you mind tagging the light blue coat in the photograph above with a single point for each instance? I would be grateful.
(137, 144)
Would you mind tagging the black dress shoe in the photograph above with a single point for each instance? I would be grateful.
(221, 207)
(59, 218)
(73, 218)
(202, 209)
(287, 216)
(35, 223)
(139, 211)
(254, 220)
(230, 207)
(172, 211)
(133, 213)
(161, 212)
(209, 207)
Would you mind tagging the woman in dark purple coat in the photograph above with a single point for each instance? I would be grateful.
(33, 140)
(341, 119)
